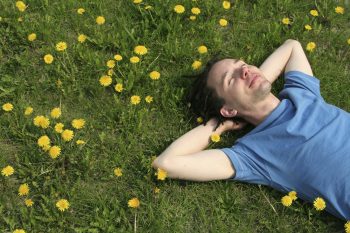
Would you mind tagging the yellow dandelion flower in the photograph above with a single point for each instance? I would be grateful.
(134, 59)
(154, 75)
(7, 107)
(156, 190)
(135, 99)
(67, 135)
(28, 111)
(223, 22)
(293, 195)
(110, 64)
(62, 204)
(105, 80)
(314, 13)
(226, 5)
(118, 171)
(310, 46)
(37, 120)
(319, 204)
(137, 1)
(140, 50)
(32, 37)
(23, 189)
(59, 127)
(202, 49)
(110, 72)
(118, 57)
(286, 21)
(100, 20)
(149, 99)
(44, 140)
(179, 9)
(28, 202)
(81, 38)
(7, 171)
(118, 87)
(193, 17)
(196, 11)
(80, 142)
(54, 151)
(215, 137)
(19, 231)
(134, 203)
(148, 7)
(308, 27)
(21, 6)
(81, 11)
(339, 10)
(41, 121)
(347, 227)
(161, 174)
(199, 120)
(196, 65)
(48, 58)
(46, 147)
(286, 201)
(61, 46)
(45, 123)
(348, 41)
(78, 123)
(56, 113)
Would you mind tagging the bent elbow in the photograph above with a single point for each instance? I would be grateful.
(292, 41)
(155, 163)
(166, 164)
(160, 162)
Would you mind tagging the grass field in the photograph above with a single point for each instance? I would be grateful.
(119, 134)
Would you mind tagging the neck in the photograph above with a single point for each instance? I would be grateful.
(261, 110)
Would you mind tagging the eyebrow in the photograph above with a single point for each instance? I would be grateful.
(225, 73)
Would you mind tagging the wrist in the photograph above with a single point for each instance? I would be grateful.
(213, 123)
(221, 129)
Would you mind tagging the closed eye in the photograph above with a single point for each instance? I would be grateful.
(229, 82)
(233, 73)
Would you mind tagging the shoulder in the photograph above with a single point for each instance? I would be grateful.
(301, 81)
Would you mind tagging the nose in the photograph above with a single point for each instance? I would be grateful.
(245, 72)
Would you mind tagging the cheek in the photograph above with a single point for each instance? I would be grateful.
(255, 70)
(236, 93)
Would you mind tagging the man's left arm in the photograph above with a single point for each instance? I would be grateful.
(289, 56)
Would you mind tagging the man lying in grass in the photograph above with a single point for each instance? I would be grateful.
(300, 142)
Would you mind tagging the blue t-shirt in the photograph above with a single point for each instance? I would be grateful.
(303, 145)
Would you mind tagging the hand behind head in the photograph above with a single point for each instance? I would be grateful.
(229, 125)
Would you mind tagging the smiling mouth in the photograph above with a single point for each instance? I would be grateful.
(253, 80)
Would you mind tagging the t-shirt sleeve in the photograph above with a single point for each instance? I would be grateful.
(246, 168)
(297, 79)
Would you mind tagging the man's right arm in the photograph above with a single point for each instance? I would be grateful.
(186, 158)
(289, 56)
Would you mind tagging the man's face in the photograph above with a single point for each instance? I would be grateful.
(239, 84)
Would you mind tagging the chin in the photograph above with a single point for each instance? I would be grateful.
(263, 91)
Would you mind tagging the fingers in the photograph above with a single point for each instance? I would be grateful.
(238, 124)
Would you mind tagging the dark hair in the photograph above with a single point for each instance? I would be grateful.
(204, 100)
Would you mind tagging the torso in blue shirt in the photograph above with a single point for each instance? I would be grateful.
(303, 145)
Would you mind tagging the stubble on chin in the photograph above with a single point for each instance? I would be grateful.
(263, 91)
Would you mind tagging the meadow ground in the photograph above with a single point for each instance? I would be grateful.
(75, 186)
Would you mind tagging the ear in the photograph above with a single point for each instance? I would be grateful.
(228, 112)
